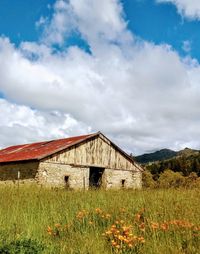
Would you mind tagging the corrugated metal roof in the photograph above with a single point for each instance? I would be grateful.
(39, 150)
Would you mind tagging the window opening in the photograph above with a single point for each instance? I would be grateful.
(123, 183)
(66, 179)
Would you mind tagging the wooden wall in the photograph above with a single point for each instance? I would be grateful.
(96, 152)
(28, 170)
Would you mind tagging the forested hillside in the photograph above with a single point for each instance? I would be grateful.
(184, 161)
(156, 156)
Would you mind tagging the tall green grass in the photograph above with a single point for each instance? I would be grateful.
(27, 211)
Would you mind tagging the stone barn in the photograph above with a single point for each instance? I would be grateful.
(75, 163)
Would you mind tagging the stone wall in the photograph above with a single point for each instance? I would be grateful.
(117, 179)
(27, 171)
(53, 174)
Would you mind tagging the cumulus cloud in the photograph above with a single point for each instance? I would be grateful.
(95, 21)
(20, 124)
(143, 96)
(187, 8)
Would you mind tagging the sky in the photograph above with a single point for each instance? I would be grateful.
(129, 68)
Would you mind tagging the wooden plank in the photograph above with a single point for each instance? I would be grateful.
(95, 152)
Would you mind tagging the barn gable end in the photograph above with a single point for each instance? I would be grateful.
(76, 163)
(98, 151)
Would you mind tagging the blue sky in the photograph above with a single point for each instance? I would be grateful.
(128, 68)
(161, 23)
(158, 23)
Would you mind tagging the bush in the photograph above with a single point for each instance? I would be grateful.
(192, 181)
(24, 246)
(147, 180)
(170, 179)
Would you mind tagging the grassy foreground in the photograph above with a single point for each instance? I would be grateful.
(102, 222)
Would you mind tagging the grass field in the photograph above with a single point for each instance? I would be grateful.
(92, 222)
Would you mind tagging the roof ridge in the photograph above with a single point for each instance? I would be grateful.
(40, 150)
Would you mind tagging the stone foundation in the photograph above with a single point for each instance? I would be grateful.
(52, 174)
(65, 176)
(116, 179)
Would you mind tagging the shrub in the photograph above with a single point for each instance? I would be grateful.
(170, 179)
(192, 181)
(23, 246)
(147, 180)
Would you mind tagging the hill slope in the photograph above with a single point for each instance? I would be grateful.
(156, 156)
(184, 161)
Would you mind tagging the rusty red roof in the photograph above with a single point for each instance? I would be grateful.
(37, 151)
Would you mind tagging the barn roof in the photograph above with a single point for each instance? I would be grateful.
(39, 150)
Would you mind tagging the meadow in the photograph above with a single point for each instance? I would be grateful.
(99, 222)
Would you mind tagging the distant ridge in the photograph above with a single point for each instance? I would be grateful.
(184, 161)
(187, 152)
(162, 154)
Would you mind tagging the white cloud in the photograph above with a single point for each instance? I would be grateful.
(141, 95)
(21, 124)
(187, 8)
(96, 21)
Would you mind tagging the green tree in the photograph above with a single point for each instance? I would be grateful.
(170, 179)
(147, 180)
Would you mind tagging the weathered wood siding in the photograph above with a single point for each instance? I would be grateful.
(97, 152)
(9, 172)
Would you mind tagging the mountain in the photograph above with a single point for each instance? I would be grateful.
(187, 152)
(163, 154)
(184, 161)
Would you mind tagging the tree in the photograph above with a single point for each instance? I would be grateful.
(170, 179)
(147, 180)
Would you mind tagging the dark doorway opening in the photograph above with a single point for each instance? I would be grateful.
(95, 179)
(123, 183)
(66, 179)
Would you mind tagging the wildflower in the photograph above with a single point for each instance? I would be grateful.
(108, 216)
(141, 239)
(164, 226)
(120, 237)
(138, 216)
(49, 230)
(154, 225)
(122, 210)
(98, 210)
(142, 226)
(114, 243)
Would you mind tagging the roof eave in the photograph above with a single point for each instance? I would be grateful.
(68, 146)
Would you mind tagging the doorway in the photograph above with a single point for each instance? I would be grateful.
(95, 178)
(66, 180)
